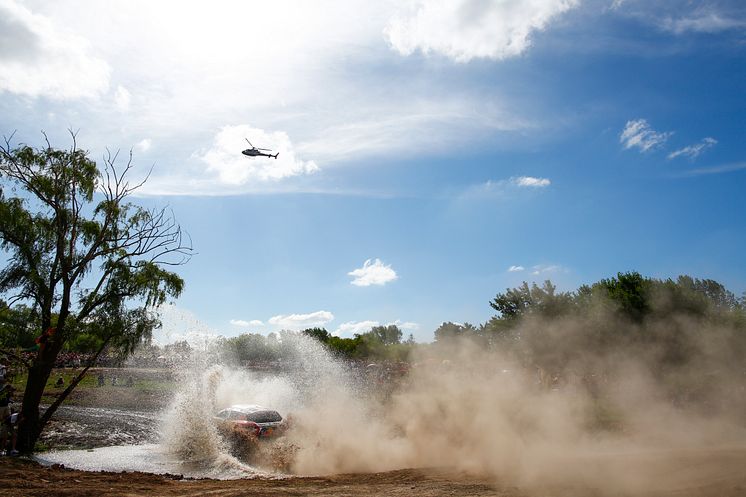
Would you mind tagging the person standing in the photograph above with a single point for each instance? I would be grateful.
(5, 395)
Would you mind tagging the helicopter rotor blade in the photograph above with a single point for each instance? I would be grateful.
(252, 146)
(266, 149)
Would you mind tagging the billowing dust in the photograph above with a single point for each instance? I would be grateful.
(462, 407)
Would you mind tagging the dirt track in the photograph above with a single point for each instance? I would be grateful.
(23, 478)
(701, 472)
(720, 473)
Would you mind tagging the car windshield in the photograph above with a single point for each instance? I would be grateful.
(261, 416)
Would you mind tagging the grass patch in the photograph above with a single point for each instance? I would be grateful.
(148, 386)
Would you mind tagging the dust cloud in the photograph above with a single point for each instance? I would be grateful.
(606, 421)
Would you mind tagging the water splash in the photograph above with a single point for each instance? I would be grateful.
(308, 376)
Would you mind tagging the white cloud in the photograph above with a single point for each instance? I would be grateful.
(504, 188)
(302, 321)
(466, 29)
(701, 22)
(351, 328)
(693, 151)
(405, 325)
(529, 181)
(144, 145)
(245, 324)
(122, 98)
(233, 168)
(638, 134)
(37, 58)
(547, 269)
(515, 269)
(187, 88)
(405, 125)
(373, 272)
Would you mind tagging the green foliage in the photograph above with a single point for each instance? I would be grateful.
(523, 300)
(689, 333)
(90, 264)
(387, 335)
(16, 326)
(345, 347)
(86, 343)
(450, 331)
(630, 291)
(319, 334)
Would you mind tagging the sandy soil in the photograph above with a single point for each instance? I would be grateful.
(25, 478)
(720, 473)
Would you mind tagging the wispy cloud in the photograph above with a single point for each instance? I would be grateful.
(403, 125)
(681, 17)
(702, 22)
(351, 328)
(122, 98)
(504, 187)
(40, 59)
(531, 182)
(144, 145)
(373, 272)
(464, 30)
(638, 134)
(547, 269)
(721, 169)
(693, 151)
(516, 269)
(301, 321)
(245, 324)
(406, 325)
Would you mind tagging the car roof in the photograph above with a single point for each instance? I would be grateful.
(248, 408)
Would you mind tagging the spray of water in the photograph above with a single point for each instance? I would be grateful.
(189, 432)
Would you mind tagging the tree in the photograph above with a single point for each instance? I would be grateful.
(319, 334)
(630, 291)
(82, 256)
(542, 300)
(15, 331)
(388, 335)
(449, 331)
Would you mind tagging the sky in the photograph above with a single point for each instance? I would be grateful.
(431, 153)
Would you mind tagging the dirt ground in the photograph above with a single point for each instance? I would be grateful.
(720, 473)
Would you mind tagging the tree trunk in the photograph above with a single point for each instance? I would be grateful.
(29, 427)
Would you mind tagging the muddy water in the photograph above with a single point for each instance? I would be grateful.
(182, 437)
(150, 458)
(126, 440)
(89, 427)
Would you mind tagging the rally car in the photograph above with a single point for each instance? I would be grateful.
(257, 420)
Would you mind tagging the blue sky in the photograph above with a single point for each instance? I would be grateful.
(432, 153)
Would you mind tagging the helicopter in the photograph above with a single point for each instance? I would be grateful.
(254, 152)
